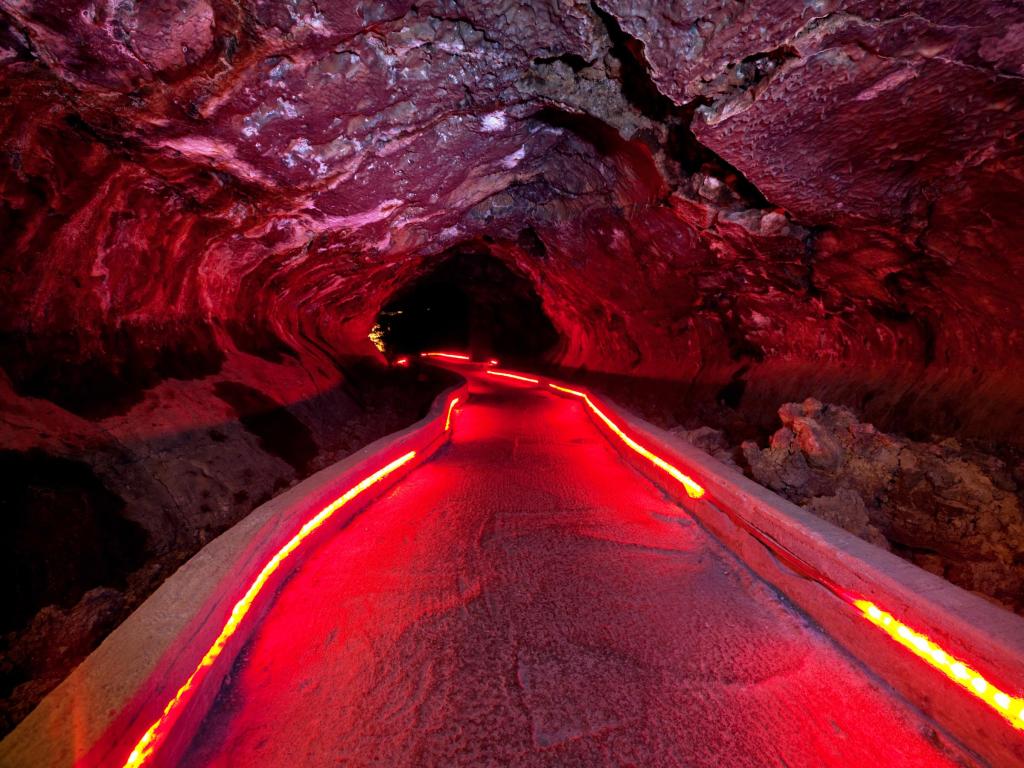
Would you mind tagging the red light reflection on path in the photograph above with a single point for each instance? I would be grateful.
(151, 739)
(532, 605)
(1007, 706)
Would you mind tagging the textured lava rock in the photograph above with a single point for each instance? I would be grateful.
(952, 510)
(206, 204)
(709, 440)
(114, 505)
(298, 166)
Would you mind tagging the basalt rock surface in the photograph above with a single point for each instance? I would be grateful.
(206, 203)
(952, 509)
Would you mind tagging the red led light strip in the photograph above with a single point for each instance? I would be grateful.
(448, 355)
(693, 489)
(516, 376)
(448, 417)
(1009, 707)
(153, 736)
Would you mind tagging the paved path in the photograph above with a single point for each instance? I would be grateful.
(527, 599)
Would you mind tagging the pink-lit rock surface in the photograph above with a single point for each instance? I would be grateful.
(205, 204)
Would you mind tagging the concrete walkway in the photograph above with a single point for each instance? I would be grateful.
(525, 598)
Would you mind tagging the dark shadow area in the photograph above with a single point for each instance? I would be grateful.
(63, 533)
(112, 375)
(280, 433)
(469, 301)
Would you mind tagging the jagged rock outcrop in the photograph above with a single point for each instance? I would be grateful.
(953, 510)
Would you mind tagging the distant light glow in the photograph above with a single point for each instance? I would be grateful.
(693, 489)
(377, 337)
(506, 375)
(151, 739)
(959, 672)
(492, 361)
(402, 362)
(447, 355)
(448, 418)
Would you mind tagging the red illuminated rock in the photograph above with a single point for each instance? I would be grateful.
(955, 511)
(205, 204)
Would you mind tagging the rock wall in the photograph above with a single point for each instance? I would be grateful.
(955, 510)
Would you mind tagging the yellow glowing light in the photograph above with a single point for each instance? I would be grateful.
(151, 739)
(377, 337)
(693, 489)
(514, 376)
(1006, 705)
(448, 418)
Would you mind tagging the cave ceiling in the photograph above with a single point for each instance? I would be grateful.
(776, 192)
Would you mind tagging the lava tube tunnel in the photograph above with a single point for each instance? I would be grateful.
(563, 382)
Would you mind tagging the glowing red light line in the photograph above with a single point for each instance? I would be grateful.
(516, 376)
(568, 391)
(151, 739)
(959, 672)
(448, 355)
(693, 489)
(1009, 707)
(402, 362)
(448, 418)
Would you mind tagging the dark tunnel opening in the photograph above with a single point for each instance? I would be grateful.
(470, 301)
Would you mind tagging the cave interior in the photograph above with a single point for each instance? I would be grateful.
(790, 233)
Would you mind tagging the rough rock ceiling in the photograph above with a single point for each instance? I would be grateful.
(779, 197)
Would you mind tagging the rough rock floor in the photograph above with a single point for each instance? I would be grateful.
(526, 598)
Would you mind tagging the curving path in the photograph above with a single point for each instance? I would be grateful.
(526, 598)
